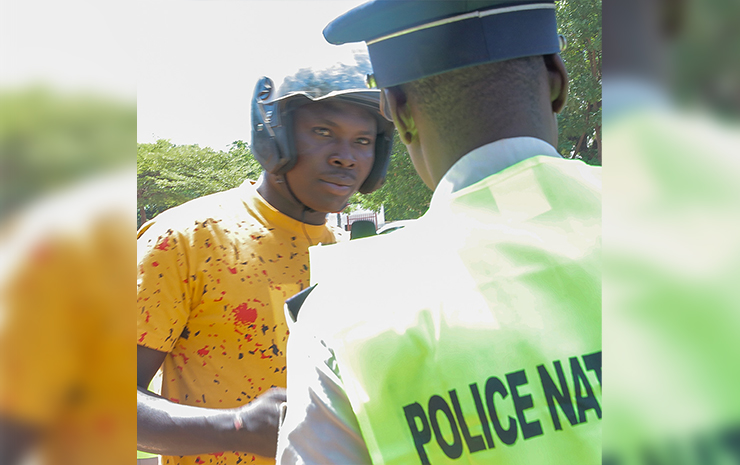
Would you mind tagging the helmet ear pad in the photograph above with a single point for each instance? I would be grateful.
(272, 137)
(281, 154)
(383, 146)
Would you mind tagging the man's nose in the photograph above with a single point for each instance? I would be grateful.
(342, 155)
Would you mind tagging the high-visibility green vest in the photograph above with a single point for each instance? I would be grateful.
(475, 333)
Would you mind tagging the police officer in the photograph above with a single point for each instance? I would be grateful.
(474, 333)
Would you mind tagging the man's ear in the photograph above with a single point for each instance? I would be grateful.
(395, 100)
(557, 78)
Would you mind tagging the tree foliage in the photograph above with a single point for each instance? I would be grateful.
(169, 174)
(50, 140)
(404, 195)
(580, 122)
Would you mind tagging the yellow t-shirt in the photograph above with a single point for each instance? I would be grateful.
(213, 276)
(66, 359)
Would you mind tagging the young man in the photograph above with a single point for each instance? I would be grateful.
(214, 274)
(482, 340)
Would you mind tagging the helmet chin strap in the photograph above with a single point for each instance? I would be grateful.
(283, 179)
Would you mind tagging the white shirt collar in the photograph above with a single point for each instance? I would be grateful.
(490, 159)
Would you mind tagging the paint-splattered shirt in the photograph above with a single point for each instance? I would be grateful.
(213, 276)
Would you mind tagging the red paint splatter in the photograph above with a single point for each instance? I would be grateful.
(198, 460)
(232, 270)
(174, 399)
(257, 344)
(204, 351)
(257, 300)
(147, 315)
(240, 333)
(143, 335)
(249, 338)
(164, 245)
(244, 314)
(264, 272)
(184, 358)
(155, 263)
(217, 454)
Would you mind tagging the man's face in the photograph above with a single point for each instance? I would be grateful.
(335, 143)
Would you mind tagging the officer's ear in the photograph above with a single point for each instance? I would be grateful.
(395, 100)
(557, 78)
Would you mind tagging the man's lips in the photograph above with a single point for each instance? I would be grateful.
(339, 185)
(343, 181)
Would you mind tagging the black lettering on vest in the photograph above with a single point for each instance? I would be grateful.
(593, 363)
(482, 415)
(588, 401)
(422, 436)
(438, 404)
(494, 385)
(552, 394)
(522, 403)
(475, 443)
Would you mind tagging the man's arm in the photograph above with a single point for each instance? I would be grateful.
(168, 428)
(320, 426)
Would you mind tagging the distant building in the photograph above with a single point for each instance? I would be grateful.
(344, 220)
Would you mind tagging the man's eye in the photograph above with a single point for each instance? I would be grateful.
(364, 141)
(322, 132)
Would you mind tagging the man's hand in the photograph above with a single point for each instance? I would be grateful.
(257, 423)
(168, 428)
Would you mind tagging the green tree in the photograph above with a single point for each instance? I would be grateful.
(51, 140)
(404, 194)
(169, 174)
(580, 121)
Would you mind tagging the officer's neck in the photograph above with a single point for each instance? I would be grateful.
(442, 152)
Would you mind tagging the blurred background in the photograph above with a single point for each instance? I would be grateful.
(671, 220)
(67, 167)
(666, 126)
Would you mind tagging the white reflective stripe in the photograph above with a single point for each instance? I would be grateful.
(454, 19)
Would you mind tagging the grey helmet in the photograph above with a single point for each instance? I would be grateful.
(272, 128)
